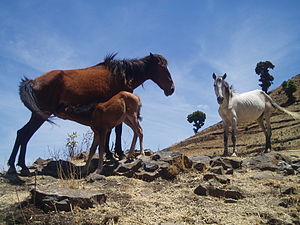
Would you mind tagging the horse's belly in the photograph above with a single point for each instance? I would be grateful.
(245, 115)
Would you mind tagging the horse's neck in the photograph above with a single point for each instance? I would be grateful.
(228, 99)
(139, 80)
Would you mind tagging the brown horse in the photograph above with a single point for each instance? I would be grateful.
(102, 117)
(44, 95)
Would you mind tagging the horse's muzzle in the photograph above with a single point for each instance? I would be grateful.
(220, 100)
(169, 91)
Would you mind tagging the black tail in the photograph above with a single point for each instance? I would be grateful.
(28, 98)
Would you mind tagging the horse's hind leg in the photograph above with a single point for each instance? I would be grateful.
(269, 132)
(133, 123)
(23, 136)
(260, 122)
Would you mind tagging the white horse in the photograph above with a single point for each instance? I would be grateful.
(245, 107)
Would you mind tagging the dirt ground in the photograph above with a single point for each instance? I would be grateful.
(132, 201)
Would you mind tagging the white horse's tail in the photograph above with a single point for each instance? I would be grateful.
(295, 115)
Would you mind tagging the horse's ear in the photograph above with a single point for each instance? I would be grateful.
(224, 76)
(153, 58)
(214, 76)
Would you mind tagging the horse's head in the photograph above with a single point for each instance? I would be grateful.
(219, 86)
(159, 73)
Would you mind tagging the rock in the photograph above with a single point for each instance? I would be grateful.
(61, 169)
(174, 158)
(287, 190)
(150, 166)
(230, 200)
(217, 170)
(267, 161)
(226, 163)
(56, 198)
(200, 163)
(129, 165)
(208, 189)
(220, 179)
(93, 177)
(147, 176)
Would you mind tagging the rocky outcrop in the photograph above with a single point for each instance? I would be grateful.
(56, 198)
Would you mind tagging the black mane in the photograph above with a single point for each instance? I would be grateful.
(130, 69)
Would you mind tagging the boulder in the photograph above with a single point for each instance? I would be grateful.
(201, 163)
(56, 198)
(211, 190)
(174, 158)
(270, 161)
(61, 169)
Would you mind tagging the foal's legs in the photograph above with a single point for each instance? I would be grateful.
(23, 136)
(91, 154)
(134, 124)
(101, 138)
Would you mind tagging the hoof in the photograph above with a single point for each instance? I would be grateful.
(121, 156)
(25, 172)
(11, 171)
(225, 154)
(234, 154)
(98, 171)
(109, 156)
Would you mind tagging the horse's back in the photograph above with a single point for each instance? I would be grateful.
(78, 86)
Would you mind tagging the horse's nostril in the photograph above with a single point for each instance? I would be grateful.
(220, 99)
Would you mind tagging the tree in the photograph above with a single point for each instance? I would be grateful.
(289, 88)
(266, 79)
(197, 118)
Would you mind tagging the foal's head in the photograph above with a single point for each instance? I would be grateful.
(159, 73)
(220, 86)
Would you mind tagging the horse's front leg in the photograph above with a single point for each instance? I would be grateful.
(108, 153)
(233, 135)
(91, 154)
(226, 131)
(118, 146)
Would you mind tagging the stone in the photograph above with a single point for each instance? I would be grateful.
(267, 161)
(129, 165)
(61, 169)
(217, 170)
(174, 158)
(150, 166)
(147, 176)
(56, 198)
(94, 177)
(220, 179)
(208, 189)
(230, 200)
(287, 190)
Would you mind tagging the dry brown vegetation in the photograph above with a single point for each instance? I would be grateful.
(133, 201)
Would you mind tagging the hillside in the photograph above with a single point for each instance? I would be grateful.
(250, 138)
(167, 187)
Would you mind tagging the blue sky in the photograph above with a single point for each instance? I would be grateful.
(197, 37)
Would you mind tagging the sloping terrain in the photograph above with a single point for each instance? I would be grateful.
(264, 193)
(250, 138)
